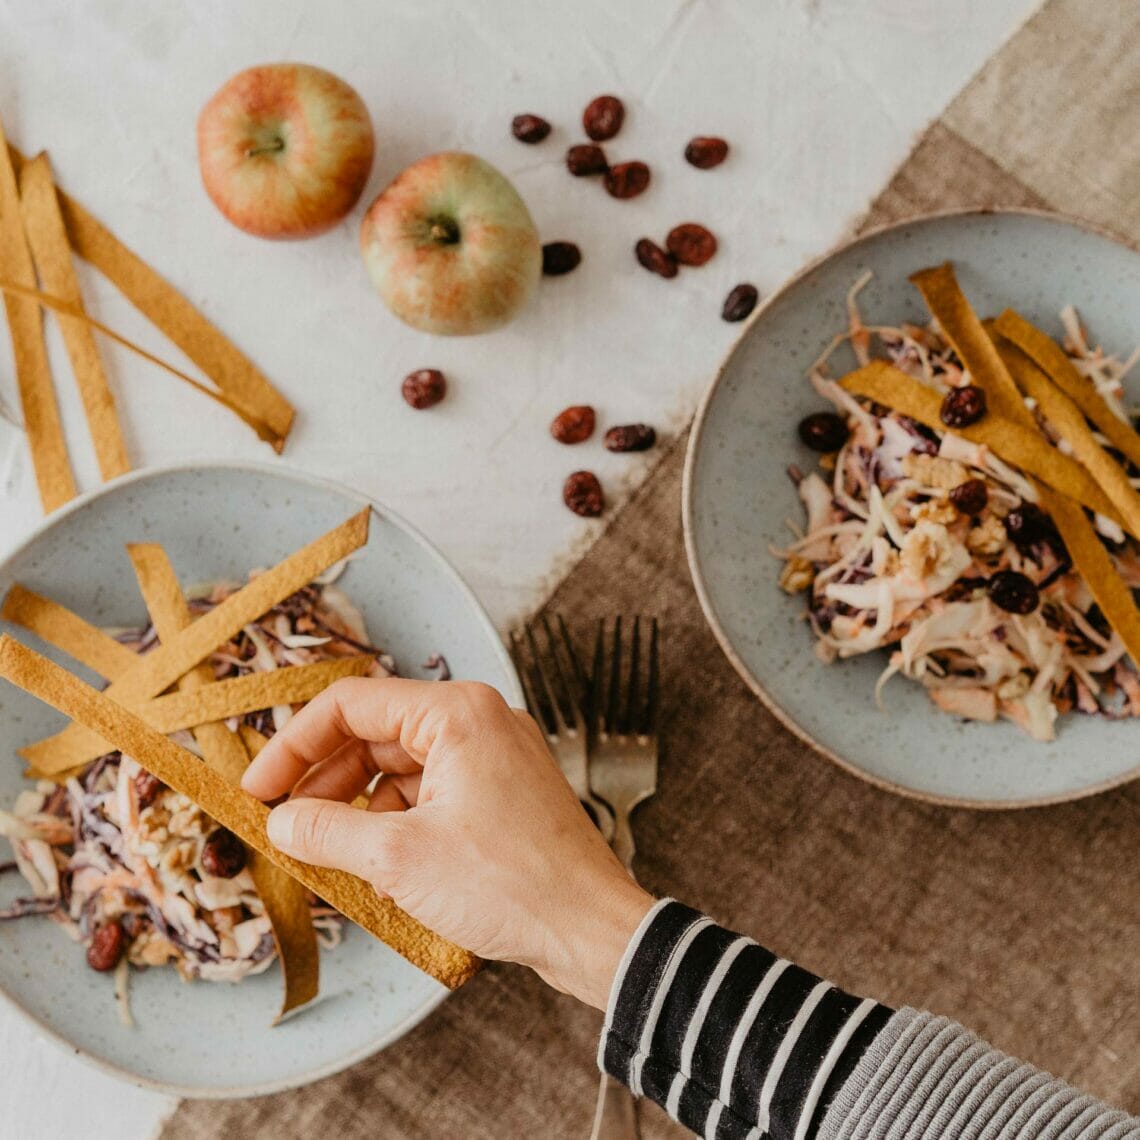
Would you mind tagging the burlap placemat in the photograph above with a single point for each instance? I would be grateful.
(1023, 925)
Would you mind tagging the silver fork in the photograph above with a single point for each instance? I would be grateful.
(556, 703)
(623, 756)
(623, 772)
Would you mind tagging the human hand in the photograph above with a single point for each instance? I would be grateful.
(471, 827)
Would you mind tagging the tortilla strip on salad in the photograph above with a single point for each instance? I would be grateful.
(284, 899)
(58, 626)
(1005, 437)
(230, 806)
(1069, 422)
(1053, 361)
(158, 670)
(232, 697)
(967, 336)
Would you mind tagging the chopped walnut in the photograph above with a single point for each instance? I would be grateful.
(935, 511)
(1013, 687)
(188, 820)
(924, 550)
(151, 949)
(987, 538)
(797, 575)
(934, 471)
(179, 856)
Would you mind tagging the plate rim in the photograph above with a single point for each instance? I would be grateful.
(696, 432)
(515, 696)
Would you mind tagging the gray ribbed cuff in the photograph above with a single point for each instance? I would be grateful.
(926, 1076)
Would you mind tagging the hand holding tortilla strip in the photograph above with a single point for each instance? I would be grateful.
(284, 899)
(241, 813)
(163, 666)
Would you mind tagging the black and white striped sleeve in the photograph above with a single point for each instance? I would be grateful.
(738, 1044)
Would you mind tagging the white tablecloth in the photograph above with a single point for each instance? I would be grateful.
(820, 100)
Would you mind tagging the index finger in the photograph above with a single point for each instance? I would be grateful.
(383, 711)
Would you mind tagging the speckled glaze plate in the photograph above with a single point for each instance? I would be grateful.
(737, 497)
(216, 1040)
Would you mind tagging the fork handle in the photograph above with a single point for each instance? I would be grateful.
(622, 842)
(616, 1114)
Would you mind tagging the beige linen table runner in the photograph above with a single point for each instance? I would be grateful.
(1023, 925)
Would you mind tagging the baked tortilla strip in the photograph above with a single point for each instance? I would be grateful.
(80, 316)
(1069, 422)
(962, 328)
(58, 626)
(235, 696)
(284, 899)
(231, 807)
(156, 671)
(1052, 359)
(1095, 565)
(1006, 438)
(48, 241)
(42, 423)
(169, 311)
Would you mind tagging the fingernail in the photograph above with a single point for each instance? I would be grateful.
(280, 825)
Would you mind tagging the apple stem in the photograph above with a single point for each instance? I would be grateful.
(269, 148)
(445, 231)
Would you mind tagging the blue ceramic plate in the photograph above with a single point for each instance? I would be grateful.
(212, 1039)
(737, 497)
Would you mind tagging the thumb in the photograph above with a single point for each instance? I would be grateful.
(328, 833)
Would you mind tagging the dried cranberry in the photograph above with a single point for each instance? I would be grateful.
(691, 244)
(706, 151)
(963, 406)
(1028, 525)
(970, 497)
(627, 179)
(1013, 592)
(655, 259)
(529, 128)
(823, 431)
(559, 257)
(574, 425)
(582, 493)
(585, 159)
(603, 117)
(740, 302)
(106, 947)
(630, 437)
(424, 388)
(223, 854)
(147, 789)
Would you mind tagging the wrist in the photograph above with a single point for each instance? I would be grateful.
(598, 932)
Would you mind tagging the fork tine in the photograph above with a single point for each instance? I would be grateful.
(570, 693)
(652, 695)
(544, 676)
(580, 678)
(527, 684)
(615, 680)
(597, 679)
(632, 719)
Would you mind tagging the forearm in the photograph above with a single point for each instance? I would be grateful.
(735, 1042)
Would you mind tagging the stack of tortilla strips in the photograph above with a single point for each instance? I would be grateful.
(173, 687)
(40, 228)
(1011, 360)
